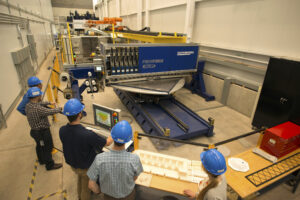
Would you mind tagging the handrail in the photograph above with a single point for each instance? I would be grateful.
(136, 134)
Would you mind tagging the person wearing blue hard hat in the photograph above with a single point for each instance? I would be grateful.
(37, 114)
(214, 164)
(117, 169)
(80, 145)
(32, 82)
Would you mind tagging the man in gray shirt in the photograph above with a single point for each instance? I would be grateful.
(117, 169)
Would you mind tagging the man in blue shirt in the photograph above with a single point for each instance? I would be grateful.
(117, 169)
(32, 82)
(80, 145)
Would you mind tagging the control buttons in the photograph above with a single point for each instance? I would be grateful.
(115, 117)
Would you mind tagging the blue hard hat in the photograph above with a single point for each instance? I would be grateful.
(122, 132)
(32, 81)
(34, 92)
(73, 107)
(213, 161)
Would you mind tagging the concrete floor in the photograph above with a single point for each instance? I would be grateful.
(17, 148)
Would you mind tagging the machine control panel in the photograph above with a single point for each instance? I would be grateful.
(105, 117)
(122, 60)
(141, 58)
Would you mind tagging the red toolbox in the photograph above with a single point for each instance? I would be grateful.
(282, 139)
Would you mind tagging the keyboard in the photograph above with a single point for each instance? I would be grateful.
(105, 133)
(173, 167)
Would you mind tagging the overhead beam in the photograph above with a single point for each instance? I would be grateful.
(152, 39)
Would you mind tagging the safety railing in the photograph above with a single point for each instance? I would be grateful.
(137, 136)
(52, 84)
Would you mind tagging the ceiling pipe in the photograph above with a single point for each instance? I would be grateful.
(147, 13)
(189, 19)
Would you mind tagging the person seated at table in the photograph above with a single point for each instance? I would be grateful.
(214, 164)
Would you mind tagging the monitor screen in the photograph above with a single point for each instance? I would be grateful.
(104, 116)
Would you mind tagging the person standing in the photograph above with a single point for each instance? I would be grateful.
(37, 115)
(80, 145)
(32, 82)
(117, 169)
(214, 164)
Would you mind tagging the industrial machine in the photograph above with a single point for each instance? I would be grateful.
(82, 48)
(282, 139)
(144, 77)
(140, 68)
(79, 21)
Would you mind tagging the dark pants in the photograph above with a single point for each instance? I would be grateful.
(44, 146)
(131, 196)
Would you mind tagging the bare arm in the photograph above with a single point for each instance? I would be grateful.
(190, 194)
(94, 187)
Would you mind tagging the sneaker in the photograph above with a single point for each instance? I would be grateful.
(55, 166)
(41, 163)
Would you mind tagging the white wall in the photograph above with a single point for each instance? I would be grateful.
(269, 27)
(168, 20)
(9, 80)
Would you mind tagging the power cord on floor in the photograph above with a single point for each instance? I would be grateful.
(58, 150)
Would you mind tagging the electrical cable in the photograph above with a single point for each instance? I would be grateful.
(58, 150)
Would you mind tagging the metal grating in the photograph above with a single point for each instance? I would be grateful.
(32, 46)
(21, 59)
(269, 173)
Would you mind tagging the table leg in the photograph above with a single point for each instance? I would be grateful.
(297, 181)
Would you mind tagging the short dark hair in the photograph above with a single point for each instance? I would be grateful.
(33, 97)
(73, 117)
(35, 85)
(118, 144)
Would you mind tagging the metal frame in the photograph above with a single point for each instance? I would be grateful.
(275, 170)
(197, 84)
(76, 69)
(109, 45)
(150, 126)
(150, 38)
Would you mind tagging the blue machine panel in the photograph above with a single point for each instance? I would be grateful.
(82, 72)
(167, 58)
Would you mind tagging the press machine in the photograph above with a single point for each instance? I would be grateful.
(144, 76)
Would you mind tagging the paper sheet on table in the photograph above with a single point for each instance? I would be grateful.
(238, 164)
(144, 179)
